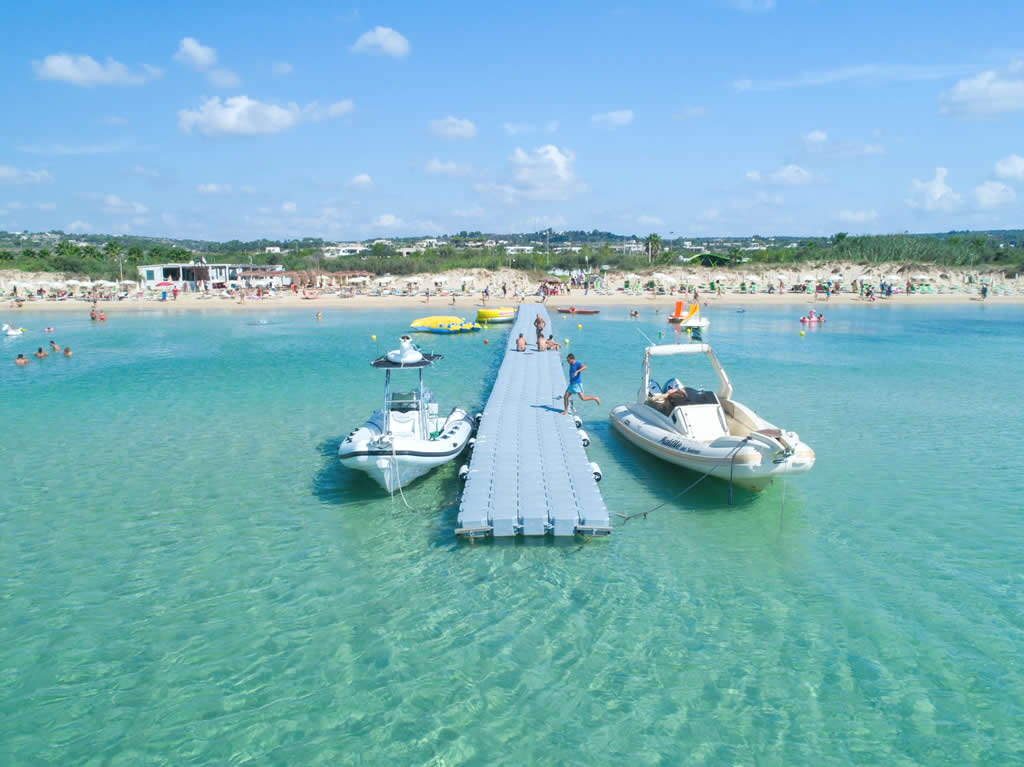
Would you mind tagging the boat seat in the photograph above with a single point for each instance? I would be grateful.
(773, 433)
(404, 422)
(702, 422)
(700, 396)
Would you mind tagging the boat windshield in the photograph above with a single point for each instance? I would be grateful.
(404, 401)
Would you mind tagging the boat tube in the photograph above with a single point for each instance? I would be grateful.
(407, 437)
(708, 431)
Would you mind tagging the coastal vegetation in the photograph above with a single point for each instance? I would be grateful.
(101, 257)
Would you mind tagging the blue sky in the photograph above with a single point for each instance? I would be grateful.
(733, 117)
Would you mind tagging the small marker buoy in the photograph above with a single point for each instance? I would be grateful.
(660, 334)
(688, 331)
(801, 332)
(486, 341)
(566, 341)
(373, 338)
(579, 327)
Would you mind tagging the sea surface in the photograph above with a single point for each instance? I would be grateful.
(190, 577)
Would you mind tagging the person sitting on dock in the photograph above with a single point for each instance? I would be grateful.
(551, 343)
(575, 383)
(520, 343)
(542, 344)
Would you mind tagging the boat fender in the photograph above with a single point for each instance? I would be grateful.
(583, 437)
(472, 442)
(463, 472)
(597, 471)
(578, 421)
(478, 418)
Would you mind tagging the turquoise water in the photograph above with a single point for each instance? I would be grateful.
(190, 578)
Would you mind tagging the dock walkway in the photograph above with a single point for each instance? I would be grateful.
(529, 474)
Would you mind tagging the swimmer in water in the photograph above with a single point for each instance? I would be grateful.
(318, 316)
(67, 351)
(54, 346)
(102, 318)
(21, 360)
(40, 354)
(92, 314)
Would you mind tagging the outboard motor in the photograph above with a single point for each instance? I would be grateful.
(673, 383)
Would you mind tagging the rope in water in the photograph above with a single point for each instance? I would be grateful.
(701, 478)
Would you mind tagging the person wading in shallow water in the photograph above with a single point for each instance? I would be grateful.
(576, 384)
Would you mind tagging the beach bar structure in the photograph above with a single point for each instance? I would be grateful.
(194, 274)
(529, 474)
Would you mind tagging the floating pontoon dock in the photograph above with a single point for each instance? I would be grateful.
(529, 474)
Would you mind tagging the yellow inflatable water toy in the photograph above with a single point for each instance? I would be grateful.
(444, 324)
(496, 315)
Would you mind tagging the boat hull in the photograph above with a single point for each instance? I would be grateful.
(396, 461)
(752, 466)
(579, 311)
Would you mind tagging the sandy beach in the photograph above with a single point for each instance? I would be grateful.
(946, 287)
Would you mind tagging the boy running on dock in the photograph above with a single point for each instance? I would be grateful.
(575, 383)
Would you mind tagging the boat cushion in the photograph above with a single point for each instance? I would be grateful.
(704, 422)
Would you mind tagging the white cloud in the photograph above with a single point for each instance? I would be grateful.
(66, 150)
(78, 227)
(288, 207)
(141, 170)
(649, 221)
(114, 204)
(316, 113)
(12, 175)
(546, 173)
(514, 129)
(857, 216)
(787, 175)
(711, 214)
(87, 72)
(1011, 167)
(453, 127)
(690, 113)
(859, 72)
(242, 116)
(46, 206)
(763, 198)
(281, 68)
(815, 137)
(387, 221)
(993, 194)
(858, 149)
(615, 119)
(195, 54)
(474, 211)
(114, 120)
(989, 93)
(244, 189)
(223, 78)
(382, 41)
(451, 168)
(213, 189)
(551, 126)
(933, 195)
(753, 6)
(361, 181)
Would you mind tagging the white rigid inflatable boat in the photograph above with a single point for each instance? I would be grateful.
(406, 438)
(706, 431)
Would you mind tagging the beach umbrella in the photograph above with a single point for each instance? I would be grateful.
(383, 280)
(920, 278)
(159, 284)
(806, 277)
(74, 282)
(750, 278)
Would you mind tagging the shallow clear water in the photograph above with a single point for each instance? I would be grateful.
(190, 577)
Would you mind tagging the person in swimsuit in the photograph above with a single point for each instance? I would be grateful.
(576, 384)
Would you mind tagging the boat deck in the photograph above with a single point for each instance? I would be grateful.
(529, 474)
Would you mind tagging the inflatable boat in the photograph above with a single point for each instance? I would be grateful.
(708, 431)
(407, 437)
(496, 315)
(577, 310)
(812, 317)
(444, 324)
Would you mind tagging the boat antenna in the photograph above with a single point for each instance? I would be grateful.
(638, 330)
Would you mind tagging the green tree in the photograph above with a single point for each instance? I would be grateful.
(653, 244)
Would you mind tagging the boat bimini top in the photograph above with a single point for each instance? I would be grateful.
(670, 350)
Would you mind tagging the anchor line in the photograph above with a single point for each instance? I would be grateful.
(701, 478)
